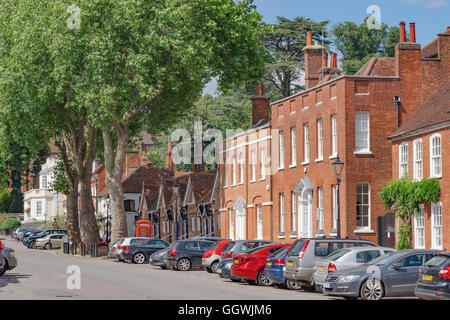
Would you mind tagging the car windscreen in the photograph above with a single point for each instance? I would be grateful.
(246, 246)
(384, 259)
(250, 251)
(440, 261)
(296, 247)
(214, 246)
(228, 247)
(337, 254)
(279, 252)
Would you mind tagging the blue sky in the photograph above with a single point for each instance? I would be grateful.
(431, 16)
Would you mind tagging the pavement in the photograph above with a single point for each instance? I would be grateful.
(49, 275)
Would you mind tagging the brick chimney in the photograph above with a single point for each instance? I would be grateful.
(333, 71)
(260, 104)
(313, 61)
(169, 159)
(408, 68)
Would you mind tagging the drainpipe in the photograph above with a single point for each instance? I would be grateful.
(397, 106)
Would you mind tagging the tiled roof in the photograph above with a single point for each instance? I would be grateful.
(434, 111)
(202, 185)
(430, 50)
(378, 66)
(132, 183)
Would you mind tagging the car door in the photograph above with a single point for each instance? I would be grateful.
(194, 253)
(153, 246)
(402, 280)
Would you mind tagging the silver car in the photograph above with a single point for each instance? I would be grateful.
(302, 255)
(344, 259)
(8, 256)
(126, 242)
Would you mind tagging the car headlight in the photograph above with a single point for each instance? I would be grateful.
(349, 278)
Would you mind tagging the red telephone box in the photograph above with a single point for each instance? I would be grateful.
(143, 228)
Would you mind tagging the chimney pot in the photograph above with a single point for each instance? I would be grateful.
(325, 59)
(263, 90)
(309, 40)
(257, 92)
(334, 60)
(402, 32)
(412, 32)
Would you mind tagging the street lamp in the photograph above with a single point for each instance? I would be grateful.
(175, 211)
(338, 166)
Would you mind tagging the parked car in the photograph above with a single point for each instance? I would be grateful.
(19, 231)
(224, 269)
(2, 259)
(141, 249)
(343, 259)
(391, 275)
(126, 242)
(207, 238)
(9, 259)
(31, 242)
(434, 278)
(113, 247)
(51, 241)
(301, 257)
(210, 259)
(249, 266)
(240, 246)
(158, 258)
(184, 255)
(28, 234)
(274, 268)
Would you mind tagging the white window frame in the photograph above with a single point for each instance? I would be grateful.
(259, 222)
(306, 143)
(44, 181)
(241, 167)
(419, 225)
(294, 212)
(362, 204)
(193, 222)
(262, 151)
(293, 147)
(231, 224)
(281, 150)
(198, 223)
(403, 159)
(234, 181)
(253, 164)
(320, 222)
(334, 189)
(319, 140)
(39, 208)
(433, 173)
(334, 135)
(436, 225)
(359, 133)
(418, 159)
(282, 213)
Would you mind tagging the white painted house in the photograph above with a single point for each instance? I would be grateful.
(44, 204)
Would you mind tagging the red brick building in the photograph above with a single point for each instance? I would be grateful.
(349, 116)
(421, 150)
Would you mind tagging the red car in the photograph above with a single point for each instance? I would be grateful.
(250, 266)
(210, 260)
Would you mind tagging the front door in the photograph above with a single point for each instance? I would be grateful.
(240, 224)
(305, 209)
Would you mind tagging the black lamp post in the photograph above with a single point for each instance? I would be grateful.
(338, 166)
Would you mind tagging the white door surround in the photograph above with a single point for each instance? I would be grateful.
(305, 191)
(240, 222)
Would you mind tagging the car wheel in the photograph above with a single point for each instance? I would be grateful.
(4, 268)
(33, 245)
(48, 246)
(292, 284)
(372, 289)
(139, 258)
(184, 264)
(215, 266)
(207, 269)
(263, 280)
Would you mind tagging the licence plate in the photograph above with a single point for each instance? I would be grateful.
(165, 260)
(427, 277)
(269, 263)
(290, 264)
(320, 269)
(327, 285)
(235, 261)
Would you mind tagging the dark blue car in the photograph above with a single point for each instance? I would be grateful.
(274, 267)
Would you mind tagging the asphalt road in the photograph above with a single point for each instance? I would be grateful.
(43, 274)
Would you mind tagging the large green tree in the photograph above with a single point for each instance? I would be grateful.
(358, 44)
(285, 41)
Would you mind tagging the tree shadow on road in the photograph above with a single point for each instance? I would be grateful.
(8, 278)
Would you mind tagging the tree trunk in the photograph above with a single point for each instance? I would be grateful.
(114, 171)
